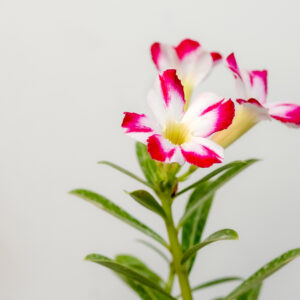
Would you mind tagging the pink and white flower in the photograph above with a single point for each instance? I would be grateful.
(192, 62)
(176, 135)
(252, 89)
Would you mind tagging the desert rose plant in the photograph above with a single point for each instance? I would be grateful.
(188, 129)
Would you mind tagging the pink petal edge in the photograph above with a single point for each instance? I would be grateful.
(287, 113)
(233, 66)
(203, 160)
(216, 57)
(157, 149)
(186, 47)
(155, 53)
(249, 101)
(224, 111)
(170, 83)
(134, 122)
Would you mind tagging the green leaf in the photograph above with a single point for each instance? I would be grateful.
(263, 273)
(108, 206)
(238, 163)
(221, 235)
(215, 185)
(251, 294)
(136, 264)
(193, 227)
(158, 251)
(147, 200)
(124, 171)
(127, 272)
(147, 164)
(214, 282)
(138, 288)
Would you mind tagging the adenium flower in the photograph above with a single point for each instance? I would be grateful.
(192, 62)
(176, 135)
(252, 88)
(252, 91)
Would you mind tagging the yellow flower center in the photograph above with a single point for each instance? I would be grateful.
(177, 133)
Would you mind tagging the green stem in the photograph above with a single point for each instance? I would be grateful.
(176, 250)
(187, 174)
(170, 281)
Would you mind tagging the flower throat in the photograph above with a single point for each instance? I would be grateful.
(177, 133)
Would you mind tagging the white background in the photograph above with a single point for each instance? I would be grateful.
(68, 70)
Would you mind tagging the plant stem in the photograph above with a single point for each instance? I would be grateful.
(170, 281)
(176, 250)
(186, 175)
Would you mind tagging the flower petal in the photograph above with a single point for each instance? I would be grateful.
(287, 113)
(215, 118)
(239, 77)
(259, 85)
(160, 149)
(251, 84)
(137, 126)
(186, 47)
(164, 56)
(191, 61)
(202, 152)
(208, 114)
(233, 66)
(199, 105)
(166, 99)
(249, 101)
(259, 111)
(216, 57)
(195, 62)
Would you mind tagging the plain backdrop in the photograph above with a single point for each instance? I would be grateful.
(68, 70)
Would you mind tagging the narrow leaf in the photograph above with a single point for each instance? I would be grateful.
(136, 264)
(221, 235)
(147, 164)
(215, 282)
(216, 172)
(263, 273)
(124, 171)
(193, 227)
(118, 212)
(127, 271)
(215, 185)
(138, 288)
(251, 294)
(147, 200)
(158, 251)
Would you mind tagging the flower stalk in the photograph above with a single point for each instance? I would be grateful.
(175, 249)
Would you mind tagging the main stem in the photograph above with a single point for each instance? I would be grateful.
(176, 251)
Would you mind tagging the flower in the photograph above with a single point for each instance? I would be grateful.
(192, 62)
(175, 135)
(252, 89)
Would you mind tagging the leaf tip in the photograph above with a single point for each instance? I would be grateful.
(234, 234)
(126, 192)
(252, 160)
(73, 192)
(89, 257)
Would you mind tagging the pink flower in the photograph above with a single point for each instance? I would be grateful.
(176, 135)
(252, 89)
(192, 62)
